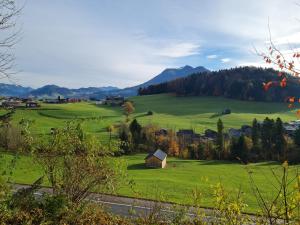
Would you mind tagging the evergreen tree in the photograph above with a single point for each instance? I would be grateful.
(279, 140)
(220, 138)
(267, 131)
(135, 130)
(239, 149)
(125, 139)
(297, 137)
(255, 135)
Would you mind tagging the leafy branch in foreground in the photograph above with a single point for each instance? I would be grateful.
(283, 206)
(76, 164)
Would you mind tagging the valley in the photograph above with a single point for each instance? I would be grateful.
(181, 176)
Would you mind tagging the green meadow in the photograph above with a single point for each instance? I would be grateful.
(198, 113)
(176, 182)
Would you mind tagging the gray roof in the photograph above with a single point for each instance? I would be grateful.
(158, 154)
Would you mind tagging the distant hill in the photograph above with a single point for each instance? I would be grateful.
(243, 83)
(50, 91)
(53, 91)
(13, 90)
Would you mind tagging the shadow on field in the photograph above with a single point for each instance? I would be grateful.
(270, 163)
(217, 162)
(138, 166)
(141, 115)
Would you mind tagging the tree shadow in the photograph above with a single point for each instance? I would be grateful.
(141, 115)
(218, 162)
(139, 166)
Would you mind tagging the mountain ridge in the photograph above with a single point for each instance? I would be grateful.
(53, 91)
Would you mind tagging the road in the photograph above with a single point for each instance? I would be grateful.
(133, 207)
(123, 206)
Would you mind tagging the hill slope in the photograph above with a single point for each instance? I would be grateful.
(243, 83)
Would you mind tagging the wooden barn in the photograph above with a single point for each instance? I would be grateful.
(158, 159)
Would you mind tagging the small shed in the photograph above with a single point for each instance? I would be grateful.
(226, 111)
(158, 159)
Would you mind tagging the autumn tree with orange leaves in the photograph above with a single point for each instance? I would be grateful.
(287, 69)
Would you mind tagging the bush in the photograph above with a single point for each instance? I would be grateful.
(150, 113)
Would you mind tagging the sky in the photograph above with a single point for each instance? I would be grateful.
(122, 43)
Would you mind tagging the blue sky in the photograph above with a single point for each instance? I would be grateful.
(126, 42)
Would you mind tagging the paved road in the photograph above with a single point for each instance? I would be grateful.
(123, 206)
(130, 207)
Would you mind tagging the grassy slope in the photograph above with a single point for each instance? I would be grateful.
(197, 112)
(174, 183)
(169, 111)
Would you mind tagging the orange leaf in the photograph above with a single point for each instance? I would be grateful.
(283, 83)
(267, 85)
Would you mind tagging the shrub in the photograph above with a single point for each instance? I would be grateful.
(150, 113)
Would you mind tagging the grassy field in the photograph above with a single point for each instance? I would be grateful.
(169, 111)
(198, 112)
(176, 182)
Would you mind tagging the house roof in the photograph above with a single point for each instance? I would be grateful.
(158, 154)
(180, 132)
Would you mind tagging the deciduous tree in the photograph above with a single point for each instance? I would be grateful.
(128, 109)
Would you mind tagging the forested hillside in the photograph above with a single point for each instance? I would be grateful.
(243, 83)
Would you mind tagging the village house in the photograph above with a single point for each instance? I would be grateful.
(185, 137)
(247, 130)
(32, 104)
(234, 133)
(158, 159)
(12, 103)
(161, 132)
(210, 134)
(114, 100)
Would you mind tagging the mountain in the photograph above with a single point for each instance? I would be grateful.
(166, 75)
(243, 83)
(53, 91)
(172, 74)
(13, 90)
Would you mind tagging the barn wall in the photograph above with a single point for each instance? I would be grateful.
(153, 162)
(164, 163)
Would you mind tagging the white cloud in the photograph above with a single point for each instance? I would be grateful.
(225, 60)
(83, 43)
(293, 38)
(212, 56)
(179, 50)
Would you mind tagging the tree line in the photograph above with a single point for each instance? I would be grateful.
(267, 141)
(243, 83)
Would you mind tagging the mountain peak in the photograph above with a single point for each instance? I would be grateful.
(174, 73)
(186, 67)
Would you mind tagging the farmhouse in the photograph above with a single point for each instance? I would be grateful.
(114, 100)
(158, 159)
(226, 111)
(161, 132)
(32, 105)
(12, 103)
